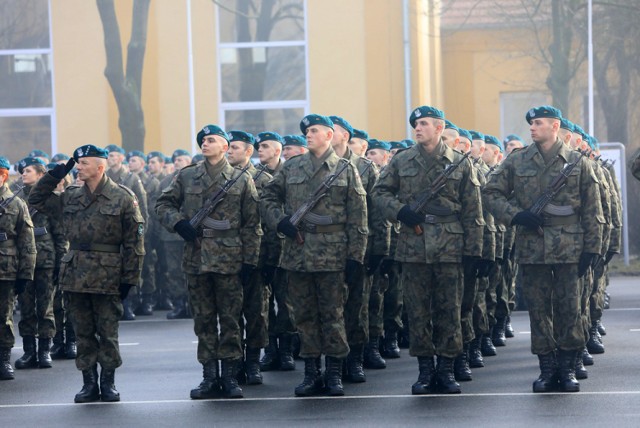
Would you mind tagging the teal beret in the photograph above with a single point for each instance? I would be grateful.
(136, 153)
(512, 137)
(425, 111)
(89, 151)
(475, 135)
(337, 120)
(268, 136)
(466, 134)
(197, 158)
(152, 155)
(449, 125)
(593, 142)
(245, 137)
(397, 145)
(28, 161)
(167, 159)
(543, 111)
(37, 153)
(210, 130)
(381, 145)
(179, 152)
(490, 139)
(409, 143)
(295, 140)
(4, 163)
(314, 119)
(51, 165)
(358, 133)
(59, 157)
(114, 148)
(578, 129)
(567, 124)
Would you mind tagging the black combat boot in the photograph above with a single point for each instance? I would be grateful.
(287, 363)
(355, 361)
(498, 334)
(270, 360)
(601, 329)
(334, 377)
(108, 391)
(209, 387)
(89, 391)
(252, 366)
(548, 380)
(444, 376)
(145, 308)
(461, 369)
(30, 357)
(594, 345)
(312, 382)
(127, 314)
(372, 357)
(6, 371)
(486, 346)
(390, 346)
(70, 347)
(587, 358)
(508, 328)
(44, 353)
(581, 372)
(57, 350)
(566, 371)
(180, 310)
(475, 355)
(426, 377)
(163, 303)
(228, 381)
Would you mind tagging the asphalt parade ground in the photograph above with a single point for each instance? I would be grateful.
(160, 368)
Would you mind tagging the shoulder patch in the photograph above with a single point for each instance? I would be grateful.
(129, 191)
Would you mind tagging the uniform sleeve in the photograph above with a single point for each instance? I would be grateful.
(471, 214)
(132, 241)
(168, 204)
(615, 240)
(250, 231)
(25, 243)
(141, 194)
(356, 225)
(379, 227)
(60, 243)
(495, 195)
(272, 200)
(43, 199)
(384, 193)
(592, 217)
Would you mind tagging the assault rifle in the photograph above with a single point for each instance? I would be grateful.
(261, 170)
(420, 204)
(4, 204)
(554, 187)
(320, 192)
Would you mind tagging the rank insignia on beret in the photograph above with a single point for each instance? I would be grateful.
(417, 113)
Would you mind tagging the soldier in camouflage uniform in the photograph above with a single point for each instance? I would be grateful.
(551, 261)
(293, 145)
(105, 230)
(330, 240)
(36, 302)
(433, 248)
(219, 258)
(17, 262)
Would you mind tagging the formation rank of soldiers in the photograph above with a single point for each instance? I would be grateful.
(343, 254)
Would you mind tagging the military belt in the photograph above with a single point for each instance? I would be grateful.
(7, 242)
(215, 233)
(103, 248)
(432, 219)
(564, 220)
(3, 236)
(40, 231)
(326, 228)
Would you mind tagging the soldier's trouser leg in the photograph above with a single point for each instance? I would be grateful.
(7, 338)
(511, 284)
(480, 321)
(379, 286)
(285, 320)
(433, 294)
(149, 266)
(393, 302)
(596, 299)
(552, 294)
(175, 282)
(95, 321)
(216, 297)
(38, 298)
(502, 294)
(469, 292)
(318, 303)
(255, 312)
(585, 304)
(58, 310)
(491, 295)
(356, 310)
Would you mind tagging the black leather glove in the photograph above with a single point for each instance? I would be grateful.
(608, 257)
(186, 231)
(245, 273)
(470, 266)
(373, 263)
(586, 261)
(386, 266)
(286, 228)
(20, 285)
(527, 219)
(351, 271)
(124, 290)
(409, 216)
(484, 267)
(60, 171)
(268, 273)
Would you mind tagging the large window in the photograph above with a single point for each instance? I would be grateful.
(262, 64)
(26, 98)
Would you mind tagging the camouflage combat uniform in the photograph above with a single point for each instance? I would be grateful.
(152, 189)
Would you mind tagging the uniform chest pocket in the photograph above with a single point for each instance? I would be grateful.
(526, 182)
(110, 210)
(408, 183)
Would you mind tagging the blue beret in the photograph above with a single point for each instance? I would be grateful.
(51, 165)
(425, 111)
(268, 136)
(89, 151)
(409, 143)
(466, 134)
(28, 161)
(136, 153)
(245, 137)
(337, 120)
(179, 152)
(378, 144)
(197, 158)
(490, 139)
(567, 124)
(314, 119)
(167, 159)
(295, 140)
(397, 145)
(578, 129)
(114, 148)
(512, 137)
(37, 153)
(543, 111)
(210, 130)
(152, 155)
(475, 135)
(593, 142)
(358, 133)
(449, 125)
(4, 163)
(59, 157)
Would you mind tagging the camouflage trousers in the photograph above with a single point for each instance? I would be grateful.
(553, 296)
(393, 302)
(433, 295)
(216, 301)
(480, 319)
(149, 265)
(596, 299)
(379, 285)
(61, 313)
(172, 281)
(280, 314)
(7, 337)
(356, 310)
(493, 291)
(586, 287)
(507, 296)
(95, 320)
(317, 300)
(470, 288)
(255, 310)
(36, 306)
